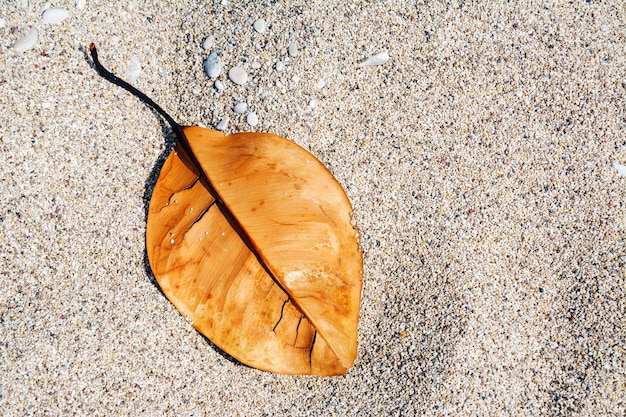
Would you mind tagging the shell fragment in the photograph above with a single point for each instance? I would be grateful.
(377, 59)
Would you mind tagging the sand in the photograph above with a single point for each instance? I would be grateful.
(479, 160)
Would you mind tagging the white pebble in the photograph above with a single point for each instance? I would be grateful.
(27, 42)
(80, 4)
(255, 65)
(279, 66)
(223, 123)
(3, 22)
(219, 86)
(312, 104)
(133, 70)
(260, 25)
(54, 15)
(238, 75)
(212, 68)
(207, 43)
(292, 49)
(252, 119)
(240, 108)
(377, 59)
(621, 169)
(321, 83)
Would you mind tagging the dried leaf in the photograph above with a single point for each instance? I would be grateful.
(251, 238)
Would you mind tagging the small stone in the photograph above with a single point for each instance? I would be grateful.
(252, 119)
(255, 65)
(3, 22)
(240, 108)
(133, 70)
(80, 4)
(223, 123)
(312, 104)
(27, 42)
(212, 68)
(238, 75)
(321, 83)
(279, 66)
(293, 49)
(219, 86)
(260, 25)
(377, 59)
(207, 43)
(54, 15)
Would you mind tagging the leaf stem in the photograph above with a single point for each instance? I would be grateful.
(109, 76)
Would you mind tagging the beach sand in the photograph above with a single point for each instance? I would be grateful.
(479, 160)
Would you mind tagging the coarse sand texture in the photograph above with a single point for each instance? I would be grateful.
(482, 146)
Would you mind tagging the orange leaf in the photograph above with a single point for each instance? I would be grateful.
(250, 237)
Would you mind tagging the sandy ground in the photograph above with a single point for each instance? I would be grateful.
(479, 160)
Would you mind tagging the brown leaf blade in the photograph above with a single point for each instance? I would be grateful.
(288, 304)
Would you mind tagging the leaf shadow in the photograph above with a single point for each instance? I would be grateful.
(149, 184)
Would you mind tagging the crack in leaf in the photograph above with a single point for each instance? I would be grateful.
(190, 186)
(295, 341)
(311, 350)
(282, 310)
(199, 217)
